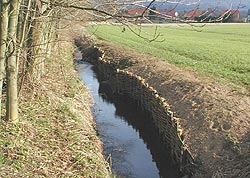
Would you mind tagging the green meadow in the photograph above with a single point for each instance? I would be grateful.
(218, 51)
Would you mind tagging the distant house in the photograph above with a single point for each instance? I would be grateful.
(165, 15)
(166, 12)
(153, 13)
(171, 12)
(230, 15)
(208, 15)
(192, 14)
(212, 12)
(137, 11)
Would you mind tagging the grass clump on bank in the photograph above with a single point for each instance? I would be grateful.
(55, 136)
(219, 51)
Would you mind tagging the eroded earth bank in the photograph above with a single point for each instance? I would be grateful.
(214, 117)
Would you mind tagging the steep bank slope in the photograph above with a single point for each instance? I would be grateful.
(215, 117)
(55, 136)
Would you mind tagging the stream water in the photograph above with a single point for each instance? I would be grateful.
(128, 135)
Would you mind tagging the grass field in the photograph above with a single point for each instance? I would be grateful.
(218, 51)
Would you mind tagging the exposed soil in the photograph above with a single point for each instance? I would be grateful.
(215, 117)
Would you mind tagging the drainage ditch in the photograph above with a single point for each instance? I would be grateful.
(152, 144)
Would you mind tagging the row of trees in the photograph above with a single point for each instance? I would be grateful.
(26, 36)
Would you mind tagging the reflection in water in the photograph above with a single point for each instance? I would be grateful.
(127, 134)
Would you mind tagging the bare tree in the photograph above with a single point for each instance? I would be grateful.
(12, 100)
(3, 40)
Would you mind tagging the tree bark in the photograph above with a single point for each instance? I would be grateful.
(35, 43)
(3, 39)
(12, 98)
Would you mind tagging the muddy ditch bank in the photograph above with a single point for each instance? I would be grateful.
(213, 120)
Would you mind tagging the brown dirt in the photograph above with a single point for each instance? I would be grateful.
(215, 117)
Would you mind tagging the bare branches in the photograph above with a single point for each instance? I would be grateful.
(147, 7)
(118, 10)
(63, 5)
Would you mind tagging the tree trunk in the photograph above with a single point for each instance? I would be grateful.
(35, 44)
(12, 99)
(3, 39)
(22, 47)
(50, 41)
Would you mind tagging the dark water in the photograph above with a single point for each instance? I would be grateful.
(127, 134)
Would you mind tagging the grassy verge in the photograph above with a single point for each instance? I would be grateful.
(218, 51)
(56, 136)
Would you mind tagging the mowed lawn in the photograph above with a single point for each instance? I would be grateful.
(219, 51)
